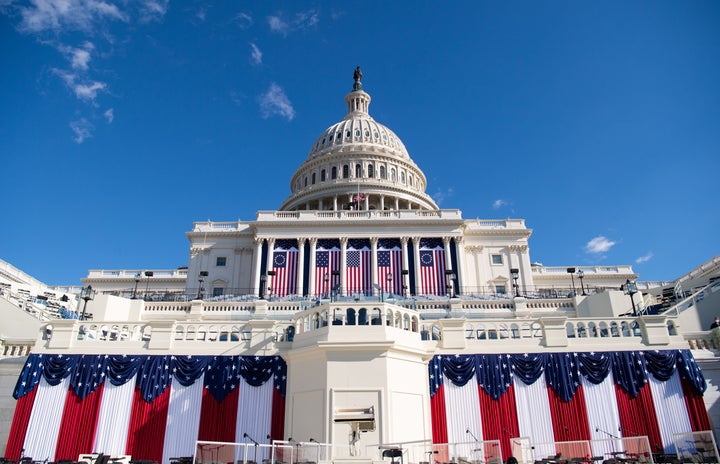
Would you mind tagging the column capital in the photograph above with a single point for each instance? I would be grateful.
(416, 241)
(459, 239)
(518, 247)
(446, 241)
(374, 240)
(404, 240)
(343, 241)
(313, 241)
(258, 241)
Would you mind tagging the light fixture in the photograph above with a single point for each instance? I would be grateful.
(581, 274)
(201, 279)
(630, 288)
(449, 281)
(148, 274)
(515, 274)
(571, 271)
(87, 293)
(137, 281)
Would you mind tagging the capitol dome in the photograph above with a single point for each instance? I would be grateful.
(358, 164)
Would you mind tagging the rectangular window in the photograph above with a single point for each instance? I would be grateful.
(218, 291)
(500, 289)
(220, 261)
(496, 259)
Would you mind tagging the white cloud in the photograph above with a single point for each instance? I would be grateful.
(78, 57)
(497, 204)
(88, 92)
(441, 196)
(153, 10)
(302, 20)
(85, 91)
(275, 102)
(644, 259)
(82, 129)
(278, 25)
(243, 20)
(201, 14)
(599, 244)
(109, 115)
(255, 54)
(57, 15)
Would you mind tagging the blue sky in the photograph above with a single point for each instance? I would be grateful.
(123, 123)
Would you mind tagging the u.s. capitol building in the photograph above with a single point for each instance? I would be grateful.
(359, 322)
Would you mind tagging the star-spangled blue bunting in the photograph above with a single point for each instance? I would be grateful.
(495, 372)
(358, 244)
(563, 375)
(459, 368)
(89, 374)
(152, 374)
(689, 370)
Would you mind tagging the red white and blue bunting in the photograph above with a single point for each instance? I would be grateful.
(553, 397)
(149, 407)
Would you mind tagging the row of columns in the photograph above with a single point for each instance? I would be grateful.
(343, 260)
(394, 201)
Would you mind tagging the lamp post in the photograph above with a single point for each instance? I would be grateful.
(148, 274)
(389, 278)
(449, 280)
(336, 287)
(630, 288)
(263, 278)
(327, 282)
(201, 279)
(87, 293)
(405, 274)
(515, 274)
(571, 271)
(137, 281)
(581, 274)
(269, 282)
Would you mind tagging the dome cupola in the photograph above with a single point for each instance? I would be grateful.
(358, 163)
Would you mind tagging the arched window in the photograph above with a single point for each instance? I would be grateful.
(322, 176)
(305, 181)
(313, 178)
(334, 172)
(402, 177)
(392, 174)
(358, 171)
(346, 171)
(382, 172)
(371, 171)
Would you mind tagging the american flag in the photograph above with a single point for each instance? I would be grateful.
(389, 261)
(327, 259)
(358, 273)
(432, 267)
(284, 263)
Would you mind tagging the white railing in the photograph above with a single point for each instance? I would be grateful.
(131, 273)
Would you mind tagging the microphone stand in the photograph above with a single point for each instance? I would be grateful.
(245, 435)
(613, 453)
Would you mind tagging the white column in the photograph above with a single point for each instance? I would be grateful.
(460, 271)
(416, 255)
(301, 266)
(446, 252)
(343, 263)
(335, 203)
(311, 271)
(382, 202)
(373, 261)
(320, 204)
(405, 265)
(367, 202)
(397, 203)
(269, 258)
(256, 265)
